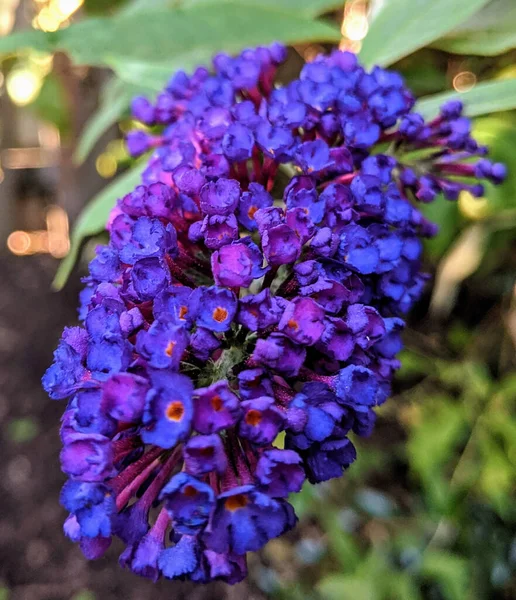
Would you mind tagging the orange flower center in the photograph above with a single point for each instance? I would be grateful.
(182, 311)
(216, 403)
(220, 314)
(170, 348)
(235, 502)
(189, 491)
(251, 211)
(293, 324)
(175, 411)
(253, 417)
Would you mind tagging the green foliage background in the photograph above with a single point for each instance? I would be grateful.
(428, 511)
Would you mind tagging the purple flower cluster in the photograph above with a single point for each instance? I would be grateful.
(254, 285)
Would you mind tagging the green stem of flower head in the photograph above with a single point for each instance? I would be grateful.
(223, 367)
(417, 156)
(249, 340)
(199, 278)
(288, 169)
(392, 148)
(382, 148)
(186, 366)
(282, 274)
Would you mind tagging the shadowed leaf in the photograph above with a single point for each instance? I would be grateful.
(399, 27)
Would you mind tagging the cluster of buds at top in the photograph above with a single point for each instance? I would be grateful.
(253, 290)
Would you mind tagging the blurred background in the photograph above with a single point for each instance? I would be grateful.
(428, 512)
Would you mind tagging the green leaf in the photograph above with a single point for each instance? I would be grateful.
(424, 74)
(93, 218)
(446, 215)
(399, 27)
(344, 587)
(450, 571)
(153, 76)
(498, 132)
(28, 39)
(489, 32)
(134, 78)
(304, 501)
(161, 35)
(488, 97)
(413, 365)
(402, 587)
(342, 545)
(440, 426)
(50, 104)
(305, 7)
(137, 6)
(114, 101)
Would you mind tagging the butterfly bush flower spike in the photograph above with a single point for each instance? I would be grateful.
(254, 285)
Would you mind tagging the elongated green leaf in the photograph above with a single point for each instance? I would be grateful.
(158, 36)
(306, 7)
(28, 39)
(101, 7)
(134, 78)
(137, 6)
(399, 27)
(93, 218)
(113, 103)
(499, 134)
(153, 76)
(484, 98)
(489, 32)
